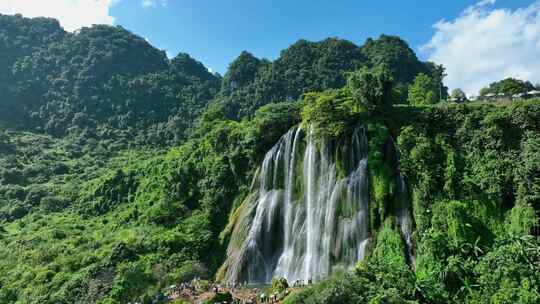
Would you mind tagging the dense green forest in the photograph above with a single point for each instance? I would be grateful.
(121, 170)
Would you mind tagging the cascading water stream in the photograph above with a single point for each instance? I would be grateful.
(310, 214)
(403, 213)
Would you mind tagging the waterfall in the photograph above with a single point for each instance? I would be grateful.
(403, 212)
(309, 214)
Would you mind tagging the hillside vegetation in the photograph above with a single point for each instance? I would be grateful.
(120, 169)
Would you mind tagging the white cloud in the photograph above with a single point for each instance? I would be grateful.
(72, 14)
(154, 3)
(485, 2)
(484, 44)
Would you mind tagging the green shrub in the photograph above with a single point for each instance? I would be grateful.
(521, 220)
(510, 273)
(279, 285)
(331, 114)
(131, 282)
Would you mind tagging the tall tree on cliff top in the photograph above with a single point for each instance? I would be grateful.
(372, 88)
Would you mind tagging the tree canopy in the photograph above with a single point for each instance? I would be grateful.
(122, 171)
(317, 66)
(458, 95)
(372, 88)
(104, 79)
(507, 87)
(423, 91)
(396, 55)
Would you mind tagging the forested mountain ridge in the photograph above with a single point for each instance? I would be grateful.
(316, 66)
(121, 176)
(21, 37)
(102, 80)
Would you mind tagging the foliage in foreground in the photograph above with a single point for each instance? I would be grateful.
(472, 171)
(110, 210)
(124, 232)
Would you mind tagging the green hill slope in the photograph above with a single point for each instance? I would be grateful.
(123, 172)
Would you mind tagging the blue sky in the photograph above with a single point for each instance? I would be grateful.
(478, 41)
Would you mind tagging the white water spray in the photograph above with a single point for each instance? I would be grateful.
(310, 215)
